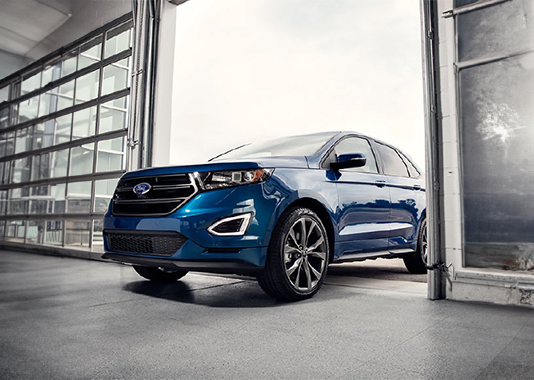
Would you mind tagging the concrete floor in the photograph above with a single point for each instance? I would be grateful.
(65, 318)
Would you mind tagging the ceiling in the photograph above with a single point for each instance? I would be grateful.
(25, 23)
(31, 29)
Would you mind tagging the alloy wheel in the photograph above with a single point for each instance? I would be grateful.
(304, 254)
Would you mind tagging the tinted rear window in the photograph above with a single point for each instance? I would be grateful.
(393, 164)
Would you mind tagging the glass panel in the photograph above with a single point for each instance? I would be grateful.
(30, 84)
(59, 163)
(38, 136)
(69, 64)
(5, 175)
(66, 98)
(54, 232)
(81, 159)
(110, 155)
(115, 78)
(414, 172)
(24, 141)
(41, 166)
(55, 196)
(36, 162)
(15, 230)
(49, 102)
(4, 94)
(497, 128)
(3, 202)
(18, 202)
(35, 233)
(38, 206)
(4, 117)
(51, 73)
(87, 87)
(44, 134)
(117, 40)
(79, 197)
(14, 114)
(2, 229)
(21, 170)
(9, 143)
(28, 109)
(62, 126)
(98, 241)
(77, 233)
(103, 192)
(111, 119)
(501, 28)
(84, 123)
(90, 53)
(3, 142)
(393, 164)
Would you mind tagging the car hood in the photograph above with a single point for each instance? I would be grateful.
(266, 162)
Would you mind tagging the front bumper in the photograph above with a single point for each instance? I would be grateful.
(202, 250)
(226, 266)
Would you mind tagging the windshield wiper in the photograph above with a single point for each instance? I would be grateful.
(228, 151)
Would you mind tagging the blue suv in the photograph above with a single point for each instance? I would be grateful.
(280, 210)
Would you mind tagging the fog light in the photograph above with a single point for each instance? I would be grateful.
(236, 225)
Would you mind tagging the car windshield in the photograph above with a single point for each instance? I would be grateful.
(303, 145)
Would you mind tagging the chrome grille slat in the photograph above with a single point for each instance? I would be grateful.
(132, 201)
(157, 187)
(167, 194)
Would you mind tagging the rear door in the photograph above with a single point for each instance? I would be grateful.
(364, 204)
(406, 196)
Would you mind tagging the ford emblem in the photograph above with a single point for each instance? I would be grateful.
(142, 188)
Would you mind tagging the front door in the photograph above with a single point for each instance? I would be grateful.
(364, 202)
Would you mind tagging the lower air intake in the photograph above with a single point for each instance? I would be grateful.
(159, 243)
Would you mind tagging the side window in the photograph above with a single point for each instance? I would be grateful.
(358, 145)
(414, 173)
(393, 164)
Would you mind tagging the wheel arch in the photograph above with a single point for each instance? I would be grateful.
(421, 220)
(321, 211)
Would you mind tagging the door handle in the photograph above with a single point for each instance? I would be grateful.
(380, 183)
(417, 187)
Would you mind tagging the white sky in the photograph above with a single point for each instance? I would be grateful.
(252, 69)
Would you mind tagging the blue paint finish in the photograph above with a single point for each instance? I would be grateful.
(365, 217)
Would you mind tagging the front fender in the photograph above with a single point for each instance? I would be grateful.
(294, 185)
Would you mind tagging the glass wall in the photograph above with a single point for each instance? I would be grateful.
(496, 77)
(63, 126)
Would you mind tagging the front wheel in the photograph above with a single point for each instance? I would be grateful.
(297, 260)
(417, 263)
(159, 274)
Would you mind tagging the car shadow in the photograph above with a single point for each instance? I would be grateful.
(242, 294)
(392, 272)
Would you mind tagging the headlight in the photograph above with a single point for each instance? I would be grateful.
(223, 179)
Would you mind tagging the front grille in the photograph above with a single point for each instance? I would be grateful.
(159, 243)
(167, 194)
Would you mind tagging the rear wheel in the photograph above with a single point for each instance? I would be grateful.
(297, 260)
(159, 274)
(416, 264)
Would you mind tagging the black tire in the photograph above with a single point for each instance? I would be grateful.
(159, 274)
(416, 263)
(297, 262)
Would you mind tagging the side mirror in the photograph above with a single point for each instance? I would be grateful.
(351, 160)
